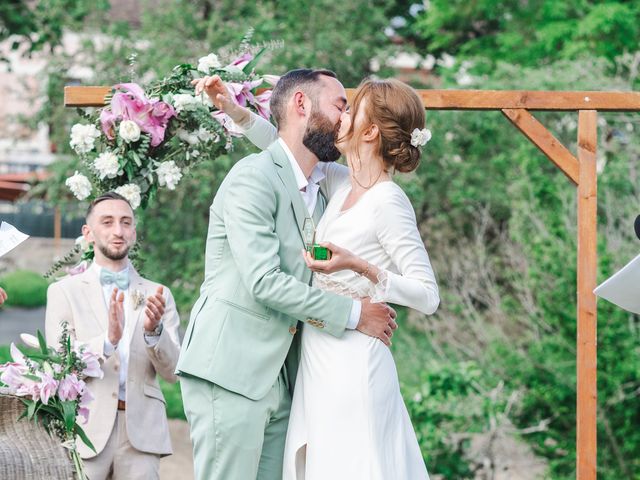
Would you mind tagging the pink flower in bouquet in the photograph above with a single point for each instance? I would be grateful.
(242, 60)
(261, 102)
(92, 364)
(242, 91)
(47, 387)
(152, 116)
(11, 374)
(83, 410)
(78, 269)
(70, 388)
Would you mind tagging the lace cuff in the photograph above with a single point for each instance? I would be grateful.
(381, 289)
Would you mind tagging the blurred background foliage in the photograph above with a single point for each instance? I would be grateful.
(499, 220)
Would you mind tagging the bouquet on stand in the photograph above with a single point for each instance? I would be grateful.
(51, 384)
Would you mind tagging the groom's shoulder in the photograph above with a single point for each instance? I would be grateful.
(262, 162)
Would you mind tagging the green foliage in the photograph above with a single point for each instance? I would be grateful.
(41, 24)
(25, 289)
(526, 33)
(173, 397)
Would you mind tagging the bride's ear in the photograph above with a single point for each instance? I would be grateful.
(371, 133)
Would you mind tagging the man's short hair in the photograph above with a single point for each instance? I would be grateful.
(102, 198)
(302, 78)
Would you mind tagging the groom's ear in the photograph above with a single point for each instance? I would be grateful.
(299, 99)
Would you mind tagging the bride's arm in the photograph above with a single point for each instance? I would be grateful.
(415, 286)
(257, 130)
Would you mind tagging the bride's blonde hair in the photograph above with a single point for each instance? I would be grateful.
(397, 110)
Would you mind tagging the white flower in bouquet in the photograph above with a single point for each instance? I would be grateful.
(205, 64)
(129, 131)
(191, 138)
(107, 165)
(79, 185)
(206, 136)
(169, 174)
(185, 102)
(131, 192)
(83, 137)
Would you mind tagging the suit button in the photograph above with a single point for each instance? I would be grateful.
(116, 368)
(293, 330)
(114, 395)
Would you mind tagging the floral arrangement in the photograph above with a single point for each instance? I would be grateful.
(145, 139)
(51, 385)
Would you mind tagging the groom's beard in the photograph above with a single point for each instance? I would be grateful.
(320, 137)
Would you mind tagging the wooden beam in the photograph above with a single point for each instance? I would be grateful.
(545, 141)
(587, 315)
(85, 96)
(452, 99)
(529, 99)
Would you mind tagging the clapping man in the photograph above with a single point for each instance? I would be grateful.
(133, 323)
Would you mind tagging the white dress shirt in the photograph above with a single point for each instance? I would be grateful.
(125, 341)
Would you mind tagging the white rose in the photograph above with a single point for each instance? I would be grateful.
(205, 64)
(79, 185)
(169, 174)
(184, 101)
(83, 137)
(129, 131)
(106, 164)
(131, 192)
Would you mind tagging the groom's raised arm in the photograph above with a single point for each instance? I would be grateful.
(250, 221)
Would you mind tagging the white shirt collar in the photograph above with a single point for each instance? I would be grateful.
(97, 268)
(317, 174)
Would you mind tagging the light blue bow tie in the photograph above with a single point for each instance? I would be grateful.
(121, 279)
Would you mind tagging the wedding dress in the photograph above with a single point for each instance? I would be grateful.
(348, 420)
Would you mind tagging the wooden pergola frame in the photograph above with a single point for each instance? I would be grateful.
(581, 171)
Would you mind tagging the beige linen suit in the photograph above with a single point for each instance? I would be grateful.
(79, 301)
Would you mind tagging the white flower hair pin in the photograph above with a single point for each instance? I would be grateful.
(419, 138)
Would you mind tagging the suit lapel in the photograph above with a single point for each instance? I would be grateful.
(92, 291)
(285, 172)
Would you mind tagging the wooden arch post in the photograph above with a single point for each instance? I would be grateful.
(516, 105)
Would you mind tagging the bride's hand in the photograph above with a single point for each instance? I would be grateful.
(221, 97)
(341, 259)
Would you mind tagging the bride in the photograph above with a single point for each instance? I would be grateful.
(348, 419)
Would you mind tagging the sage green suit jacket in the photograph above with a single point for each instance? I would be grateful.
(256, 285)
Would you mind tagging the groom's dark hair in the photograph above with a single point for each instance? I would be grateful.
(303, 78)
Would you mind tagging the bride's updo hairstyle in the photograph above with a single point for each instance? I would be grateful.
(397, 110)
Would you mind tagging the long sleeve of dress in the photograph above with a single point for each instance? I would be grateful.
(260, 132)
(415, 284)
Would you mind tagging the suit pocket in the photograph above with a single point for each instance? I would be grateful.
(153, 392)
(245, 310)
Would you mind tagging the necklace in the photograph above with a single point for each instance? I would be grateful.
(372, 184)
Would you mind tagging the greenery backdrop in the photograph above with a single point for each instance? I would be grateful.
(499, 220)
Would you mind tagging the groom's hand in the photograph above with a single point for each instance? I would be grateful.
(377, 320)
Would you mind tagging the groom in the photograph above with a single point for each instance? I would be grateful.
(240, 351)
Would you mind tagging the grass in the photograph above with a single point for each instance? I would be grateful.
(25, 289)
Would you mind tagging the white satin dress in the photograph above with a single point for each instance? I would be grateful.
(348, 419)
